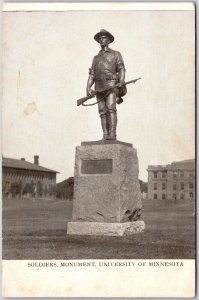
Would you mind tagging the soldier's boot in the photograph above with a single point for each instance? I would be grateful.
(104, 123)
(112, 125)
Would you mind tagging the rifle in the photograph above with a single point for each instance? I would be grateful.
(84, 99)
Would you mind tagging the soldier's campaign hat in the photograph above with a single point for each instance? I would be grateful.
(104, 32)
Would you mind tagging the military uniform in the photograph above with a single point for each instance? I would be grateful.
(105, 67)
(104, 71)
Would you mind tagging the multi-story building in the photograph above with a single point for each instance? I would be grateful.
(20, 177)
(175, 181)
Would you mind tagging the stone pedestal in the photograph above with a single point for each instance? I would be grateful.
(111, 229)
(107, 197)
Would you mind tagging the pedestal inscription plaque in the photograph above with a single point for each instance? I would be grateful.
(96, 166)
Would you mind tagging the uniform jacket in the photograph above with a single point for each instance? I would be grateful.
(105, 68)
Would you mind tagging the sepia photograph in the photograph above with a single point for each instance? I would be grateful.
(98, 156)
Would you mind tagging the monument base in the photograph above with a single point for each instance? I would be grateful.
(109, 229)
(106, 185)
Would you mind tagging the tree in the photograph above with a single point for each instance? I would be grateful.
(52, 190)
(29, 188)
(16, 188)
(40, 189)
(65, 188)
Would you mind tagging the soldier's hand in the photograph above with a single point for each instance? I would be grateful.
(91, 93)
(120, 84)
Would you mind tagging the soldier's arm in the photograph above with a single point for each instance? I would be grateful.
(120, 68)
(90, 82)
(121, 75)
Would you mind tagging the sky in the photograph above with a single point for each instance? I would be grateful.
(46, 57)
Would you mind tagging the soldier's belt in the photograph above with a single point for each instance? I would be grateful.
(105, 77)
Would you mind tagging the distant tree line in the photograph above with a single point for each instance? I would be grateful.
(64, 189)
(18, 189)
(143, 186)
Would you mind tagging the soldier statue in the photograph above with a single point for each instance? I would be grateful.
(107, 70)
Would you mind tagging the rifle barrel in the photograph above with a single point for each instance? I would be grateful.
(132, 81)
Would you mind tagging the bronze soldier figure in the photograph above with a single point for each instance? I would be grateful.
(107, 70)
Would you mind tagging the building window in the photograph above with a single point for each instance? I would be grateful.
(163, 196)
(191, 195)
(174, 196)
(182, 185)
(174, 174)
(155, 196)
(163, 186)
(164, 174)
(190, 185)
(191, 175)
(182, 196)
(181, 174)
(155, 174)
(155, 186)
(174, 186)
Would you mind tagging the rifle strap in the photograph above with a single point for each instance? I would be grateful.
(98, 100)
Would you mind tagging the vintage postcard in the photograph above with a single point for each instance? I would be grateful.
(98, 156)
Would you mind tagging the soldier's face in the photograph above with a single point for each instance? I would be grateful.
(104, 40)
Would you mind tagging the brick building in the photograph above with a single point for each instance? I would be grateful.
(175, 181)
(20, 177)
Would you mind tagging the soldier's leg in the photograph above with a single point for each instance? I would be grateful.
(112, 115)
(103, 115)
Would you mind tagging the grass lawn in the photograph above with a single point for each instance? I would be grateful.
(36, 229)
